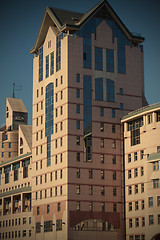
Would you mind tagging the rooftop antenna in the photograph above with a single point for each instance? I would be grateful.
(17, 88)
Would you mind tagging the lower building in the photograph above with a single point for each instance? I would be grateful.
(142, 173)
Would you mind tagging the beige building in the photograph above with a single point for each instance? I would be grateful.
(87, 74)
(142, 173)
(15, 173)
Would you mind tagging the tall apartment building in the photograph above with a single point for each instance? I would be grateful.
(15, 172)
(87, 74)
(142, 173)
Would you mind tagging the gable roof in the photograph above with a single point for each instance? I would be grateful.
(17, 105)
(71, 21)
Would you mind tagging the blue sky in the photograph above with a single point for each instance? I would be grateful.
(20, 21)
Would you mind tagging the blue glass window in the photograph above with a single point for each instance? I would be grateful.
(7, 171)
(101, 111)
(121, 91)
(49, 105)
(98, 59)
(47, 66)
(85, 33)
(49, 151)
(49, 119)
(99, 89)
(109, 60)
(2, 154)
(16, 167)
(113, 113)
(52, 63)
(87, 98)
(9, 154)
(58, 51)
(78, 124)
(121, 106)
(9, 145)
(40, 53)
(77, 77)
(2, 145)
(78, 93)
(77, 108)
(110, 91)
(25, 168)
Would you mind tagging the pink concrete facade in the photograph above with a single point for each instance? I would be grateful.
(141, 164)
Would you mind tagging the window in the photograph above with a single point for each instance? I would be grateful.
(61, 142)
(142, 204)
(110, 90)
(134, 127)
(158, 218)
(30, 220)
(51, 192)
(137, 222)
(78, 140)
(150, 201)
(98, 59)
(129, 190)
(102, 158)
(136, 189)
(156, 183)
(109, 60)
(78, 173)
(61, 174)
(113, 128)
(102, 143)
(41, 164)
(9, 154)
(102, 191)
(24, 220)
(102, 174)
(61, 79)
(9, 145)
(77, 78)
(78, 189)
(60, 190)
(90, 206)
(61, 110)
(121, 106)
(113, 113)
(114, 175)
(55, 191)
(129, 174)
(47, 66)
(158, 201)
(141, 154)
(103, 207)
(38, 210)
(40, 194)
(41, 90)
(99, 89)
(101, 111)
(77, 93)
(121, 91)
(52, 63)
(78, 206)
(114, 207)
(135, 156)
(78, 124)
(78, 109)
(24, 233)
(90, 173)
(150, 118)
(151, 219)
(56, 82)
(41, 120)
(61, 157)
(136, 172)
(61, 126)
(136, 205)
(114, 161)
(156, 166)
(143, 221)
(102, 127)
(114, 191)
(130, 223)
(114, 144)
(59, 207)
(130, 206)
(56, 97)
(90, 190)
(142, 171)
(142, 187)
(61, 95)
(55, 175)
(40, 53)
(48, 208)
(78, 156)
(129, 158)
